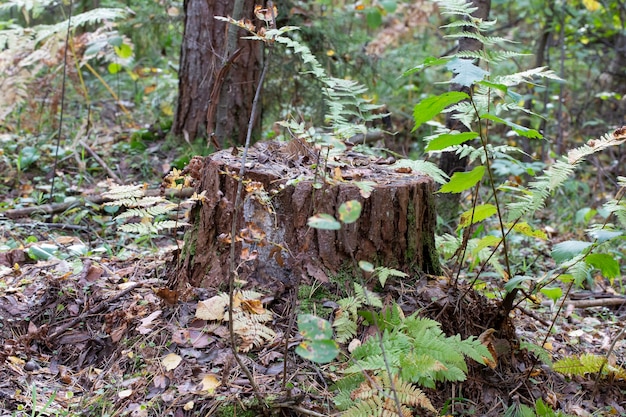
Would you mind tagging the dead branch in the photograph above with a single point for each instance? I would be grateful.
(52, 208)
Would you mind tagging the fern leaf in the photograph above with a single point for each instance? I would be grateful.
(579, 365)
(118, 192)
(373, 407)
(90, 17)
(148, 212)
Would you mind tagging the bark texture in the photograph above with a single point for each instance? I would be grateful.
(212, 77)
(395, 229)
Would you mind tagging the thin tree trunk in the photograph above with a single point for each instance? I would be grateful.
(218, 70)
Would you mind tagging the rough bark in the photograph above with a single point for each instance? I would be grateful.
(448, 203)
(395, 229)
(213, 77)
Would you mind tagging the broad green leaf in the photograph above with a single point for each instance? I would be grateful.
(605, 263)
(350, 211)
(123, 51)
(480, 213)
(374, 18)
(366, 266)
(527, 230)
(428, 108)
(487, 241)
(565, 251)
(319, 351)
(553, 293)
(323, 221)
(466, 73)
(390, 6)
(314, 328)
(116, 41)
(449, 139)
(604, 235)
(365, 187)
(317, 345)
(42, 251)
(516, 282)
(114, 68)
(497, 86)
(462, 181)
(519, 129)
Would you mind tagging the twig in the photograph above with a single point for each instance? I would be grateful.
(93, 310)
(233, 242)
(61, 226)
(101, 162)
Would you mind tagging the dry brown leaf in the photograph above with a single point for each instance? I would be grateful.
(212, 309)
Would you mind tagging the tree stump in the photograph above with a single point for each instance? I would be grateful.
(284, 186)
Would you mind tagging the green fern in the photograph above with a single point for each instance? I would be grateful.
(150, 210)
(419, 352)
(587, 363)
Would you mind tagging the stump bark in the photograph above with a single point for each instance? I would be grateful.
(284, 186)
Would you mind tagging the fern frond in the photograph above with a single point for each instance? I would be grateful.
(90, 17)
(151, 228)
(373, 407)
(579, 365)
(456, 7)
(148, 212)
(485, 40)
(118, 192)
(527, 76)
(345, 328)
(490, 55)
(422, 167)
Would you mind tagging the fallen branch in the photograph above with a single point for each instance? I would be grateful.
(101, 162)
(52, 208)
(599, 302)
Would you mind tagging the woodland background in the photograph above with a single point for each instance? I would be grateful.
(90, 323)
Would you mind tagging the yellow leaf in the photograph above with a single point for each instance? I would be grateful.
(16, 361)
(188, 406)
(209, 383)
(171, 361)
(592, 5)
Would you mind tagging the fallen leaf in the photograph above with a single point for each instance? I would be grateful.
(125, 393)
(252, 306)
(144, 327)
(209, 383)
(212, 309)
(171, 361)
(188, 406)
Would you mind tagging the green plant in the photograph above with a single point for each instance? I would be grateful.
(415, 351)
(152, 211)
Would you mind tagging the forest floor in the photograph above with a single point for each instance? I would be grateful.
(97, 332)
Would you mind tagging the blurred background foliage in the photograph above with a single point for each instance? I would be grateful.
(123, 61)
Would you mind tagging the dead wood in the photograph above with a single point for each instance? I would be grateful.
(286, 183)
(53, 208)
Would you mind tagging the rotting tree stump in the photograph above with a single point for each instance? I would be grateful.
(282, 190)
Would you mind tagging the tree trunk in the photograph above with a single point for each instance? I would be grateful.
(216, 85)
(275, 246)
(448, 203)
